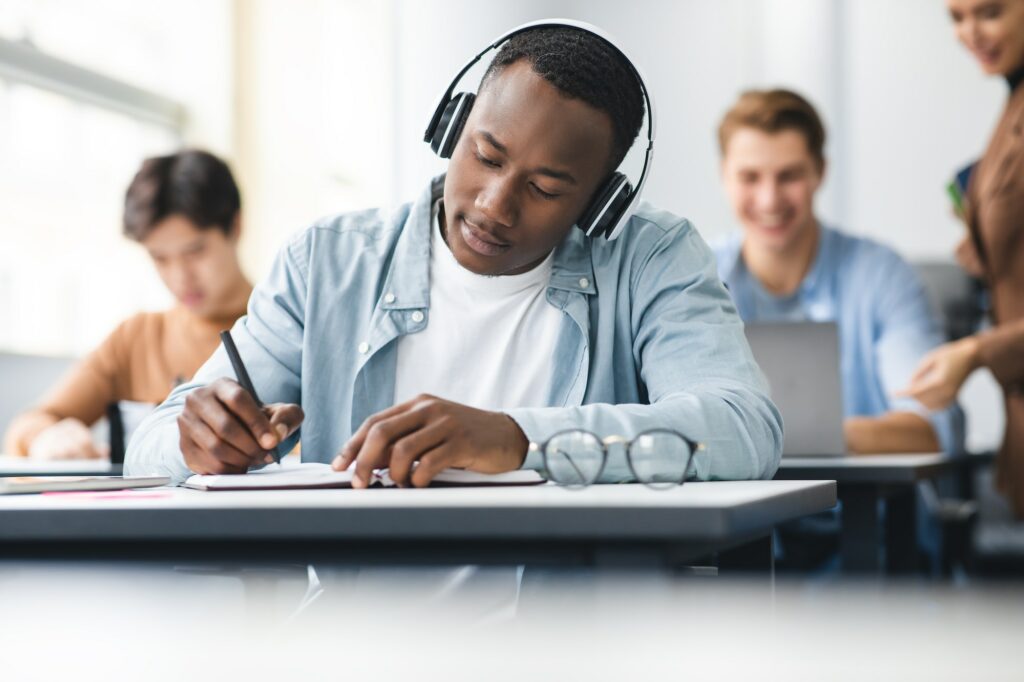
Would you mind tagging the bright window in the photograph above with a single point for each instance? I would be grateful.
(67, 276)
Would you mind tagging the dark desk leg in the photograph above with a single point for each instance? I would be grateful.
(752, 556)
(756, 556)
(754, 560)
(613, 557)
(901, 555)
(859, 537)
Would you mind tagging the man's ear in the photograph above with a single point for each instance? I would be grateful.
(821, 167)
(235, 231)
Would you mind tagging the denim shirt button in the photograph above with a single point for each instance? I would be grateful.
(584, 282)
(417, 316)
(389, 298)
(364, 348)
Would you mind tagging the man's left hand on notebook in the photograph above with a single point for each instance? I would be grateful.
(432, 434)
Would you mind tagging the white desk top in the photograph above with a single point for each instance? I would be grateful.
(719, 494)
(694, 510)
(867, 461)
(865, 468)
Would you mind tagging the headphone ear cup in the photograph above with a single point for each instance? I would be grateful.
(604, 211)
(446, 135)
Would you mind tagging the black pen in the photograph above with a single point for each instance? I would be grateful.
(243, 378)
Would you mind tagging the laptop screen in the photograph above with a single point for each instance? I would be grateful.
(801, 362)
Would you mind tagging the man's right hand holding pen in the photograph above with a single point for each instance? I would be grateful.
(224, 431)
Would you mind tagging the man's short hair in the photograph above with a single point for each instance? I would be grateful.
(192, 183)
(772, 111)
(584, 67)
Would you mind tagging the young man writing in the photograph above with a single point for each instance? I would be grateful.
(787, 266)
(460, 328)
(184, 209)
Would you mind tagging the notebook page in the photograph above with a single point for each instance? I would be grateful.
(274, 476)
(456, 477)
(320, 475)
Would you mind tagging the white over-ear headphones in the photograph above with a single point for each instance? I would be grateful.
(616, 199)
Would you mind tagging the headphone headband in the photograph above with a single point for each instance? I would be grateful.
(633, 194)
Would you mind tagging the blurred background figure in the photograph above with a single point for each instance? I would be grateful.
(184, 209)
(785, 266)
(993, 31)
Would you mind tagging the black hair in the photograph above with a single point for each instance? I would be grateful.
(192, 183)
(585, 67)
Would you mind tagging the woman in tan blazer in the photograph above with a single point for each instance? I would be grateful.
(993, 31)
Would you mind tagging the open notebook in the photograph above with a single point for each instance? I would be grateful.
(318, 475)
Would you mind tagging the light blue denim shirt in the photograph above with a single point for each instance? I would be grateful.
(886, 324)
(650, 340)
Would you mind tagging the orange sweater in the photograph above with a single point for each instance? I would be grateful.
(141, 360)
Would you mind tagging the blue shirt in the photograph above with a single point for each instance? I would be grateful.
(879, 305)
(650, 339)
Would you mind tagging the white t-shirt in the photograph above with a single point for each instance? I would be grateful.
(488, 342)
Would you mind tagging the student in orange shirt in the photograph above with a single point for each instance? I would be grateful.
(185, 211)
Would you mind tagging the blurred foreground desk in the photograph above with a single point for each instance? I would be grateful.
(604, 525)
(863, 480)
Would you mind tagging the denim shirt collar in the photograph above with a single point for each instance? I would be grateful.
(573, 268)
(407, 285)
(408, 280)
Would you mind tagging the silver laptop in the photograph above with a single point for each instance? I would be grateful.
(801, 362)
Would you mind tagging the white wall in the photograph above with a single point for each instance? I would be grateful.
(67, 276)
(314, 128)
(918, 108)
